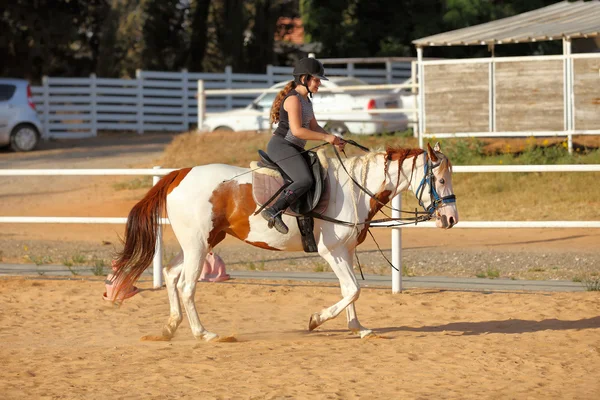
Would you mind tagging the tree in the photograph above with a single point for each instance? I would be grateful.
(198, 34)
(164, 35)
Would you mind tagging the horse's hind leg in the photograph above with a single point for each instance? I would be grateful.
(171, 274)
(193, 253)
(340, 261)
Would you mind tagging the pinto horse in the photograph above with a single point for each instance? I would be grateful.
(207, 202)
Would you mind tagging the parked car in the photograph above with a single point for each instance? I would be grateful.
(338, 112)
(20, 127)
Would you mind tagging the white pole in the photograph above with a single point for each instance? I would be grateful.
(396, 247)
(157, 262)
(93, 104)
(571, 97)
(140, 101)
(201, 105)
(421, 95)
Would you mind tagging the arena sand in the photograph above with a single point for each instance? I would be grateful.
(61, 340)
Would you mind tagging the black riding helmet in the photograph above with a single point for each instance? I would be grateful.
(311, 67)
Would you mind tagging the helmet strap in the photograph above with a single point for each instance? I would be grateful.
(306, 85)
(298, 80)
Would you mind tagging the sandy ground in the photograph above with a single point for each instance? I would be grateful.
(430, 344)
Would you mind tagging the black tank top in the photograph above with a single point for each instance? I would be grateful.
(283, 128)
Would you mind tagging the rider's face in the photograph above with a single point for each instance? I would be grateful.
(313, 84)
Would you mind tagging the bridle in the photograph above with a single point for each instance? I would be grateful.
(429, 179)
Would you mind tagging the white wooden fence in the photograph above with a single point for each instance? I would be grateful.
(162, 101)
(509, 96)
(396, 232)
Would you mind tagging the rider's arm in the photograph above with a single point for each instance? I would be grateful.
(314, 125)
(294, 109)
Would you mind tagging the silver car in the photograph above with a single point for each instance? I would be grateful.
(20, 127)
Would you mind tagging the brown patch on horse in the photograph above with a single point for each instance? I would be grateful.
(233, 205)
(262, 245)
(182, 173)
(375, 206)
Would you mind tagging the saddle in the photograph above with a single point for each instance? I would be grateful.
(268, 181)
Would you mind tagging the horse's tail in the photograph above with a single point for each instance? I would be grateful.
(140, 236)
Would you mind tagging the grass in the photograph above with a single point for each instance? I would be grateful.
(253, 267)
(490, 273)
(98, 267)
(543, 196)
(144, 182)
(319, 267)
(592, 284)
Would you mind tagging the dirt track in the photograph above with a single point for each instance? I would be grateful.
(515, 253)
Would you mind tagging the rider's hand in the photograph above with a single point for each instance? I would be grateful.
(336, 141)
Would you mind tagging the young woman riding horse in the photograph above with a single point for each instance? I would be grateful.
(208, 202)
(293, 110)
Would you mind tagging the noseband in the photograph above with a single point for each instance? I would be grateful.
(429, 179)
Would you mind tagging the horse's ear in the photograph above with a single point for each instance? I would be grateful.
(432, 156)
(437, 147)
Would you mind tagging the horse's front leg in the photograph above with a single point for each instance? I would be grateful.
(340, 261)
(353, 323)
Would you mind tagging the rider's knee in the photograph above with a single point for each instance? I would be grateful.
(305, 183)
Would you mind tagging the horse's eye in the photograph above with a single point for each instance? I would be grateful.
(442, 181)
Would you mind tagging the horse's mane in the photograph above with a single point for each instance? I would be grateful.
(392, 154)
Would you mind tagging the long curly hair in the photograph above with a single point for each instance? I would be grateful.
(278, 99)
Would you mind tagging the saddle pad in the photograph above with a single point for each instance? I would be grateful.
(264, 185)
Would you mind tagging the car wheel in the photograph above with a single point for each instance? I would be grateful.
(223, 128)
(24, 137)
(337, 128)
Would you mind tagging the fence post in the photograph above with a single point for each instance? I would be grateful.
(421, 102)
(184, 100)
(270, 75)
(93, 101)
(157, 261)
(396, 247)
(414, 90)
(388, 72)
(228, 85)
(46, 96)
(140, 101)
(350, 70)
(201, 105)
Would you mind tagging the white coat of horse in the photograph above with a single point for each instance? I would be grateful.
(207, 202)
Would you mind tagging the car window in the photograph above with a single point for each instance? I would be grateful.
(6, 91)
(266, 101)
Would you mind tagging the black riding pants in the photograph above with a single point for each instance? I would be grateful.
(291, 160)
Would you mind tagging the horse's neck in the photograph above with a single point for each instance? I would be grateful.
(367, 170)
(377, 175)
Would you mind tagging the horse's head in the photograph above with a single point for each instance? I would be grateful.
(433, 183)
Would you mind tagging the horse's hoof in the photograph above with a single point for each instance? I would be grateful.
(168, 331)
(313, 322)
(366, 333)
(208, 336)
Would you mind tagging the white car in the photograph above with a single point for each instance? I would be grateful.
(338, 112)
(20, 127)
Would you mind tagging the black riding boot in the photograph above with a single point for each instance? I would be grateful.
(273, 213)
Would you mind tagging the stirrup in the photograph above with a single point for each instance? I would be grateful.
(274, 220)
